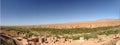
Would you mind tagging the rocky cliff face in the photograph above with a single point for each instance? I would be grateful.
(87, 24)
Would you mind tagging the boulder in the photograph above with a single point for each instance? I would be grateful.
(118, 42)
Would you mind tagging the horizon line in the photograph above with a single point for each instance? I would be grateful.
(55, 23)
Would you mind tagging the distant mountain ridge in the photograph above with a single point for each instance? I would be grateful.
(85, 24)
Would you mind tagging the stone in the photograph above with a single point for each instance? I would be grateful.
(118, 42)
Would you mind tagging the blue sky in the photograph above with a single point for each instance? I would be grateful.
(25, 12)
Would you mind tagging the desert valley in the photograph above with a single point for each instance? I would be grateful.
(95, 32)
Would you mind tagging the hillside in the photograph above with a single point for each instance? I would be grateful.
(86, 24)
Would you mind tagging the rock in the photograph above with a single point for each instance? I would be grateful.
(118, 42)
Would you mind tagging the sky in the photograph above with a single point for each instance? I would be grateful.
(27, 12)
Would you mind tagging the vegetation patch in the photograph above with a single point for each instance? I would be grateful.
(93, 32)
